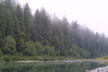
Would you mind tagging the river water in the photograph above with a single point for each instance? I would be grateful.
(49, 66)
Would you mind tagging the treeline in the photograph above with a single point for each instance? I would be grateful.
(24, 34)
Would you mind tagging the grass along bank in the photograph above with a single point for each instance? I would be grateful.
(9, 58)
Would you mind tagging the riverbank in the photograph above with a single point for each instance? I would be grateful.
(33, 58)
(44, 58)
(54, 61)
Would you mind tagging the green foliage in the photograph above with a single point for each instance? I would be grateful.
(7, 58)
(9, 23)
(6, 50)
(16, 58)
(40, 58)
(1, 59)
(37, 27)
(52, 51)
(29, 49)
(19, 54)
(47, 50)
(61, 58)
(1, 53)
(45, 37)
(45, 28)
(10, 45)
(1, 40)
(2, 21)
(56, 43)
(39, 48)
(20, 18)
(27, 21)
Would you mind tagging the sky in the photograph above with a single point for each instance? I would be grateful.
(90, 13)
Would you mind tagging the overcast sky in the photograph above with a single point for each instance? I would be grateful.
(91, 13)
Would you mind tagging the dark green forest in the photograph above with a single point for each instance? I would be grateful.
(40, 34)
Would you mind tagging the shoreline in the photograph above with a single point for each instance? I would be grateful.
(29, 61)
(51, 61)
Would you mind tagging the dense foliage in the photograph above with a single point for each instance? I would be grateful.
(24, 34)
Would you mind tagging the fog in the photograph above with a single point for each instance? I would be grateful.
(91, 13)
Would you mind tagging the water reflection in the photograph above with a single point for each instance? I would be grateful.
(59, 66)
(100, 69)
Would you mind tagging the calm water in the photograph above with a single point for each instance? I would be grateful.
(51, 66)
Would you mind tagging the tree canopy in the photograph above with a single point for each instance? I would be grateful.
(41, 34)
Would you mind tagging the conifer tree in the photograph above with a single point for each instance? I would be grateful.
(9, 23)
(66, 34)
(27, 16)
(45, 26)
(2, 20)
(38, 26)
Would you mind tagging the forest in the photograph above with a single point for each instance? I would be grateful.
(23, 34)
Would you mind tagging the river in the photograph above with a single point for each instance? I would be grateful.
(50, 66)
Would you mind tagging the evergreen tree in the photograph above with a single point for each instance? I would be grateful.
(19, 29)
(20, 18)
(2, 20)
(18, 35)
(1, 40)
(37, 27)
(9, 23)
(27, 16)
(43, 34)
(57, 39)
(10, 45)
(45, 26)
(66, 35)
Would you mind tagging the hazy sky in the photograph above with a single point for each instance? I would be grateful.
(91, 13)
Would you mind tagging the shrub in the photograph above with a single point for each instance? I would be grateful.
(52, 58)
(39, 58)
(61, 58)
(15, 58)
(23, 58)
(1, 53)
(7, 58)
(29, 49)
(1, 59)
(10, 44)
(39, 48)
(19, 54)
(6, 50)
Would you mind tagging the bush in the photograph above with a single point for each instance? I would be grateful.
(39, 58)
(1, 59)
(61, 58)
(1, 53)
(6, 50)
(19, 54)
(7, 58)
(29, 49)
(10, 44)
(15, 58)
(52, 58)
(46, 57)
(47, 50)
(39, 48)
(23, 58)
